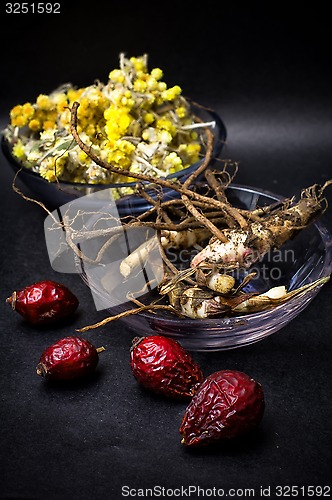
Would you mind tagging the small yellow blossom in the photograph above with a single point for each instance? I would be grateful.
(138, 63)
(47, 169)
(140, 85)
(116, 75)
(119, 158)
(172, 162)
(189, 153)
(28, 110)
(156, 73)
(164, 136)
(35, 125)
(19, 121)
(148, 118)
(166, 124)
(149, 134)
(151, 83)
(162, 86)
(171, 93)
(18, 150)
(61, 106)
(44, 102)
(74, 95)
(48, 124)
(49, 175)
(127, 102)
(16, 111)
(21, 114)
(181, 111)
(90, 130)
(60, 101)
(125, 146)
(124, 121)
(83, 157)
(117, 122)
(120, 155)
(60, 163)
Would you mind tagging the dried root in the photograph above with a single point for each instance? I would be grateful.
(202, 218)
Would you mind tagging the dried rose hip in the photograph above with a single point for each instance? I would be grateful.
(69, 358)
(162, 365)
(227, 404)
(44, 302)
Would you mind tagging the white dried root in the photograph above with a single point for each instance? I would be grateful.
(184, 239)
(176, 239)
(240, 248)
(194, 302)
(199, 303)
(138, 257)
(275, 297)
(220, 283)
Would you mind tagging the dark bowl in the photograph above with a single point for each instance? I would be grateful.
(56, 194)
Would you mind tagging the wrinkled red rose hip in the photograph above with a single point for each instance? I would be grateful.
(69, 358)
(44, 302)
(162, 365)
(226, 405)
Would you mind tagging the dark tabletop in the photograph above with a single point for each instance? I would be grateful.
(268, 74)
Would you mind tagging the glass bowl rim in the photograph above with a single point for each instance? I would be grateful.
(300, 300)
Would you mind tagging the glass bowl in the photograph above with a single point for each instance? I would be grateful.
(305, 258)
(55, 194)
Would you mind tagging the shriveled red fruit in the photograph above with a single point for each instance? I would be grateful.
(226, 405)
(69, 358)
(44, 302)
(162, 365)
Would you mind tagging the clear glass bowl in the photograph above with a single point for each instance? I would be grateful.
(55, 194)
(306, 258)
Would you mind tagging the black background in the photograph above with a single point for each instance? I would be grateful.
(266, 70)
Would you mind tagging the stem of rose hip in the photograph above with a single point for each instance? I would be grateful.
(41, 370)
(100, 349)
(12, 300)
(135, 342)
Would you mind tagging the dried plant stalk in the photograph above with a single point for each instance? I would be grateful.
(227, 228)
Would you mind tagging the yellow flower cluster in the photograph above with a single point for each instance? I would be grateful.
(53, 167)
(22, 114)
(120, 153)
(134, 122)
(41, 115)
